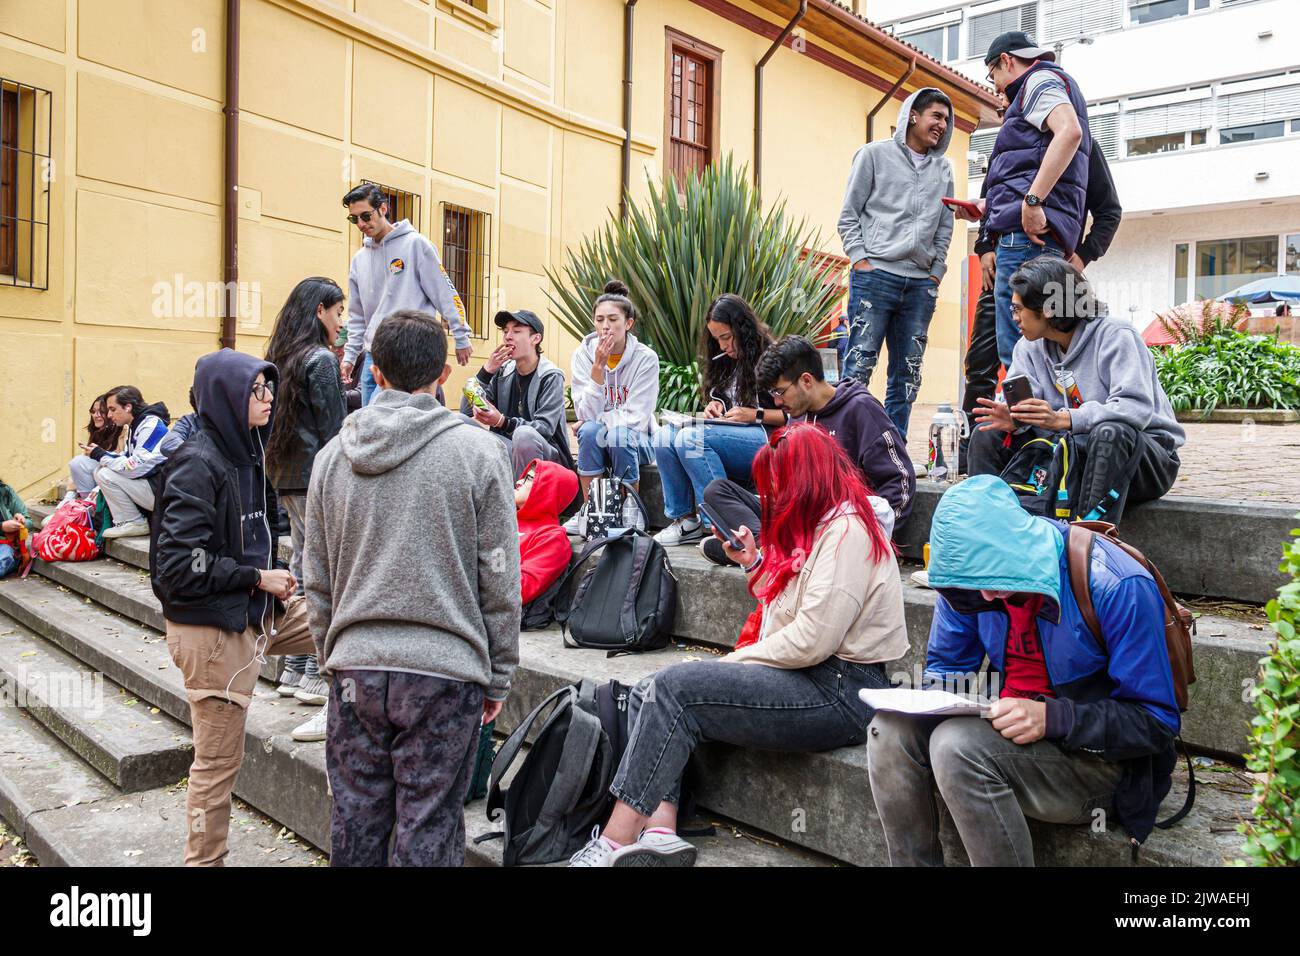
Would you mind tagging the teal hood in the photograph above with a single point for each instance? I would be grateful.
(981, 539)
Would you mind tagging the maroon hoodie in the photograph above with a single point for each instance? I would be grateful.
(856, 419)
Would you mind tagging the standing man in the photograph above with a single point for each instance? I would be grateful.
(525, 394)
(1037, 184)
(395, 268)
(896, 230)
(415, 611)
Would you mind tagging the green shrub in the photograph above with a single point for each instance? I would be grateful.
(1273, 837)
(1230, 369)
(684, 247)
(679, 387)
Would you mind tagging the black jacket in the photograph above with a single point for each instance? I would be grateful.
(322, 405)
(1102, 204)
(210, 534)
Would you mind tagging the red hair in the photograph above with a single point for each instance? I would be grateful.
(802, 475)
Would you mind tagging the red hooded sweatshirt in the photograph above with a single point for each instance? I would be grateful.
(544, 549)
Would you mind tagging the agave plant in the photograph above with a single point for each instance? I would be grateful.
(683, 248)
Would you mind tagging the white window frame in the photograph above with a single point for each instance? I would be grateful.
(1191, 241)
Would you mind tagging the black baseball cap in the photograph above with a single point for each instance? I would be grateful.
(1017, 43)
(523, 317)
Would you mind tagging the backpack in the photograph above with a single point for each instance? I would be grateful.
(627, 602)
(1179, 623)
(539, 613)
(1042, 476)
(70, 534)
(561, 789)
(613, 504)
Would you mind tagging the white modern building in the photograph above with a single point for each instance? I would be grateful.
(1197, 106)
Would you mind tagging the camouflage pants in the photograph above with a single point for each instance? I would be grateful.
(399, 754)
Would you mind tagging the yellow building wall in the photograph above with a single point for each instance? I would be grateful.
(513, 109)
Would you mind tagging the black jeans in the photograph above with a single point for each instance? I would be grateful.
(736, 505)
(749, 705)
(1104, 452)
(982, 364)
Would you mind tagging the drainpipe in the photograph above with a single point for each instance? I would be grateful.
(871, 117)
(758, 96)
(627, 109)
(230, 205)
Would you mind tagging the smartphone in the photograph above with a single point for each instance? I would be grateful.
(1017, 390)
(969, 207)
(721, 525)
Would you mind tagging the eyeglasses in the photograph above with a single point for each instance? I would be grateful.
(524, 479)
(780, 392)
(364, 217)
(264, 391)
(1016, 308)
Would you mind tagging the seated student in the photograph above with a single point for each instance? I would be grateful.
(101, 432)
(126, 479)
(832, 616)
(182, 430)
(1091, 375)
(525, 395)
(222, 612)
(615, 388)
(13, 522)
(542, 493)
(689, 458)
(791, 370)
(1076, 727)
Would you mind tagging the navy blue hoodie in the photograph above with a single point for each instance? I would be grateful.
(856, 419)
(223, 382)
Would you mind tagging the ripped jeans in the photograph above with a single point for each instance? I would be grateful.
(895, 310)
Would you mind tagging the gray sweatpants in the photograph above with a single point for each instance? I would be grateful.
(125, 494)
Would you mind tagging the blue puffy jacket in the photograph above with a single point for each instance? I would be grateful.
(1116, 701)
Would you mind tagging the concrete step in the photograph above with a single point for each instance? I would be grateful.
(135, 746)
(713, 603)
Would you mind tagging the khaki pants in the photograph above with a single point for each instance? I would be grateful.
(220, 674)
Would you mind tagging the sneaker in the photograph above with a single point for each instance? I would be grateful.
(313, 691)
(596, 853)
(711, 548)
(577, 525)
(137, 528)
(656, 847)
(921, 578)
(681, 531)
(313, 730)
(290, 681)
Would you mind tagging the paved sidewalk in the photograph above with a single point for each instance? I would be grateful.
(1219, 461)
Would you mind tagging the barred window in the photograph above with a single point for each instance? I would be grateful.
(401, 204)
(26, 171)
(467, 257)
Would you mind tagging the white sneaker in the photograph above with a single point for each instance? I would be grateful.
(921, 578)
(577, 525)
(596, 853)
(313, 730)
(137, 528)
(681, 531)
(313, 690)
(290, 682)
(656, 847)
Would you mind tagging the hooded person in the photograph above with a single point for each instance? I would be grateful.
(415, 610)
(542, 493)
(896, 230)
(1079, 727)
(211, 566)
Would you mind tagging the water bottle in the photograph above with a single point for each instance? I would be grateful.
(945, 434)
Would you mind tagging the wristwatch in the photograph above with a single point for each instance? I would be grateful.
(1032, 200)
(758, 416)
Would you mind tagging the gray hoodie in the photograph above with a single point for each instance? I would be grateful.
(1113, 372)
(411, 560)
(892, 214)
(402, 271)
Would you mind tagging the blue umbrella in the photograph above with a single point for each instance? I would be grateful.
(1267, 289)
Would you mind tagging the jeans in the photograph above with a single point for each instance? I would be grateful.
(689, 458)
(8, 559)
(1013, 251)
(981, 368)
(368, 384)
(748, 705)
(619, 450)
(989, 784)
(896, 310)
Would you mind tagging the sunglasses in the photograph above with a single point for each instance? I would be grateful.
(364, 217)
(263, 391)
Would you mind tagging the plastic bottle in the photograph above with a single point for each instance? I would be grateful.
(945, 434)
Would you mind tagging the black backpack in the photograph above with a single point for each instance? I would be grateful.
(539, 613)
(627, 602)
(561, 790)
(1044, 475)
